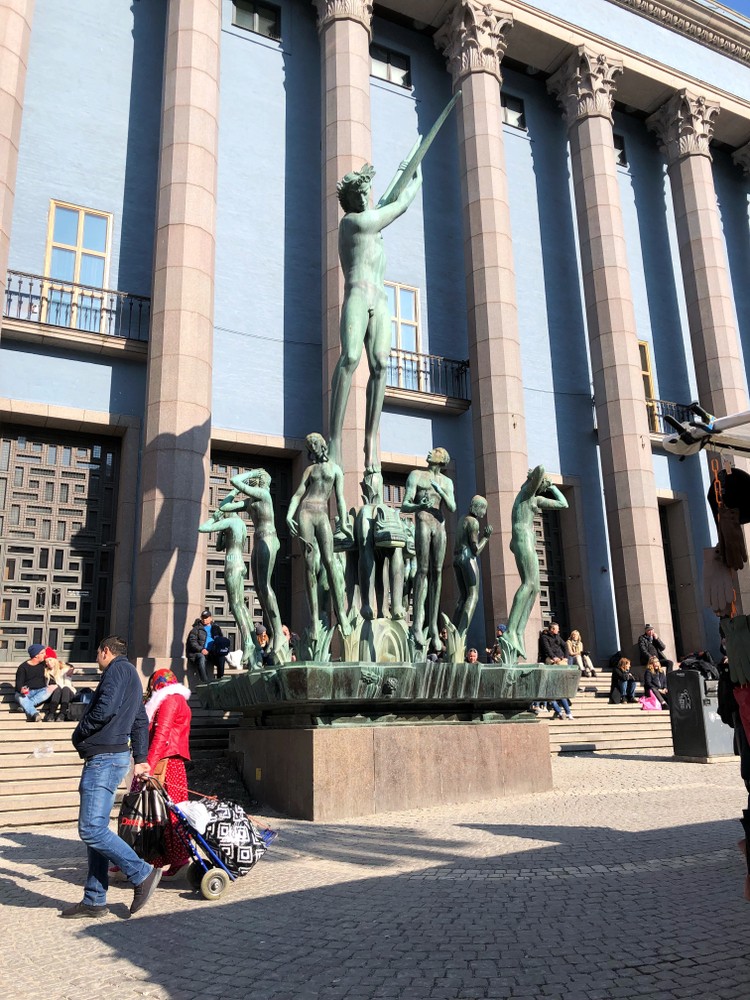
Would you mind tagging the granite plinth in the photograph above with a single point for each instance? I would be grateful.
(330, 774)
(346, 693)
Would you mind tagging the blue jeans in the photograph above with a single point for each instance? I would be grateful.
(627, 689)
(561, 706)
(29, 702)
(101, 776)
(204, 664)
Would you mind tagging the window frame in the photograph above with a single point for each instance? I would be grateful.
(252, 7)
(505, 105)
(647, 376)
(391, 52)
(61, 286)
(621, 151)
(410, 374)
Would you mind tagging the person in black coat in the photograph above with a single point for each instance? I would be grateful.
(206, 647)
(551, 646)
(655, 681)
(649, 644)
(623, 683)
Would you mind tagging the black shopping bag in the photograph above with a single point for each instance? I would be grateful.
(142, 821)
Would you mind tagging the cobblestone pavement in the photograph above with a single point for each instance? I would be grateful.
(625, 881)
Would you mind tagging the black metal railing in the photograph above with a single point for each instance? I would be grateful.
(658, 409)
(33, 298)
(428, 373)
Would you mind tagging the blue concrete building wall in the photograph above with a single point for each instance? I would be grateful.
(90, 132)
(62, 378)
(733, 195)
(267, 342)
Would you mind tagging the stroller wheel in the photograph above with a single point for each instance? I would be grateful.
(195, 873)
(213, 883)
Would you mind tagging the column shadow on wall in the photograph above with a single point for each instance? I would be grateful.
(173, 472)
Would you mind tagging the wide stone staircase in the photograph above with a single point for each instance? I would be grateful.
(600, 726)
(40, 770)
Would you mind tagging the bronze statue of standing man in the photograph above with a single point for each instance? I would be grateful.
(365, 317)
(427, 491)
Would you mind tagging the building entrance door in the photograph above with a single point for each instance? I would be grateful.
(58, 502)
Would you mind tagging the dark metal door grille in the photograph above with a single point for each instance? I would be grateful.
(58, 497)
(553, 598)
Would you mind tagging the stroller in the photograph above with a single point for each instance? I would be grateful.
(230, 844)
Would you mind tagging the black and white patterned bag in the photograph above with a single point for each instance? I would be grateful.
(233, 836)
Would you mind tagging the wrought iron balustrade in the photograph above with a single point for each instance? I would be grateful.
(658, 409)
(428, 373)
(33, 298)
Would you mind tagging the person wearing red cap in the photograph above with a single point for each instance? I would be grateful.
(31, 685)
(57, 673)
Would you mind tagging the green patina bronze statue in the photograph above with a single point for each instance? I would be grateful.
(426, 493)
(255, 485)
(232, 535)
(466, 553)
(530, 501)
(313, 527)
(365, 317)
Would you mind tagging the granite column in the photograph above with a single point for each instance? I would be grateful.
(171, 562)
(474, 39)
(684, 126)
(15, 36)
(346, 145)
(584, 85)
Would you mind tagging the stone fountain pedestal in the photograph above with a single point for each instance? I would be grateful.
(327, 742)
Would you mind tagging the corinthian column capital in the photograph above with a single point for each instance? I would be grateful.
(684, 126)
(585, 85)
(351, 10)
(741, 157)
(473, 39)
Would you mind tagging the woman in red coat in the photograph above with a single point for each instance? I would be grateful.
(169, 732)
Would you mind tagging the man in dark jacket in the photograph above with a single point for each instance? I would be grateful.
(206, 646)
(649, 644)
(551, 646)
(114, 724)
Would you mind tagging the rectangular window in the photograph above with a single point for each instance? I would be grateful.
(260, 18)
(385, 64)
(513, 111)
(648, 386)
(404, 368)
(621, 155)
(78, 246)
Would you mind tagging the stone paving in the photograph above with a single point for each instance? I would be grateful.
(624, 882)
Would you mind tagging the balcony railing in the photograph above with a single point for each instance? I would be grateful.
(658, 409)
(32, 298)
(428, 373)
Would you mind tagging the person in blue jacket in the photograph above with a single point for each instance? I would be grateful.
(115, 724)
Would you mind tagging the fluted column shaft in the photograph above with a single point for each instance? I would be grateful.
(171, 563)
(346, 145)
(474, 40)
(15, 36)
(684, 126)
(584, 86)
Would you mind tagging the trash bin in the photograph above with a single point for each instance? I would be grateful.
(697, 730)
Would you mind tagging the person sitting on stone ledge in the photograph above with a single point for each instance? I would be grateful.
(623, 683)
(264, 643)
(206, 647)
(551, 646)
(31, 685)
(577, 656)
(561, 709)
(649, 644)
(655, 681)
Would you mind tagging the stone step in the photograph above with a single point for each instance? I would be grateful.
(37, 816)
